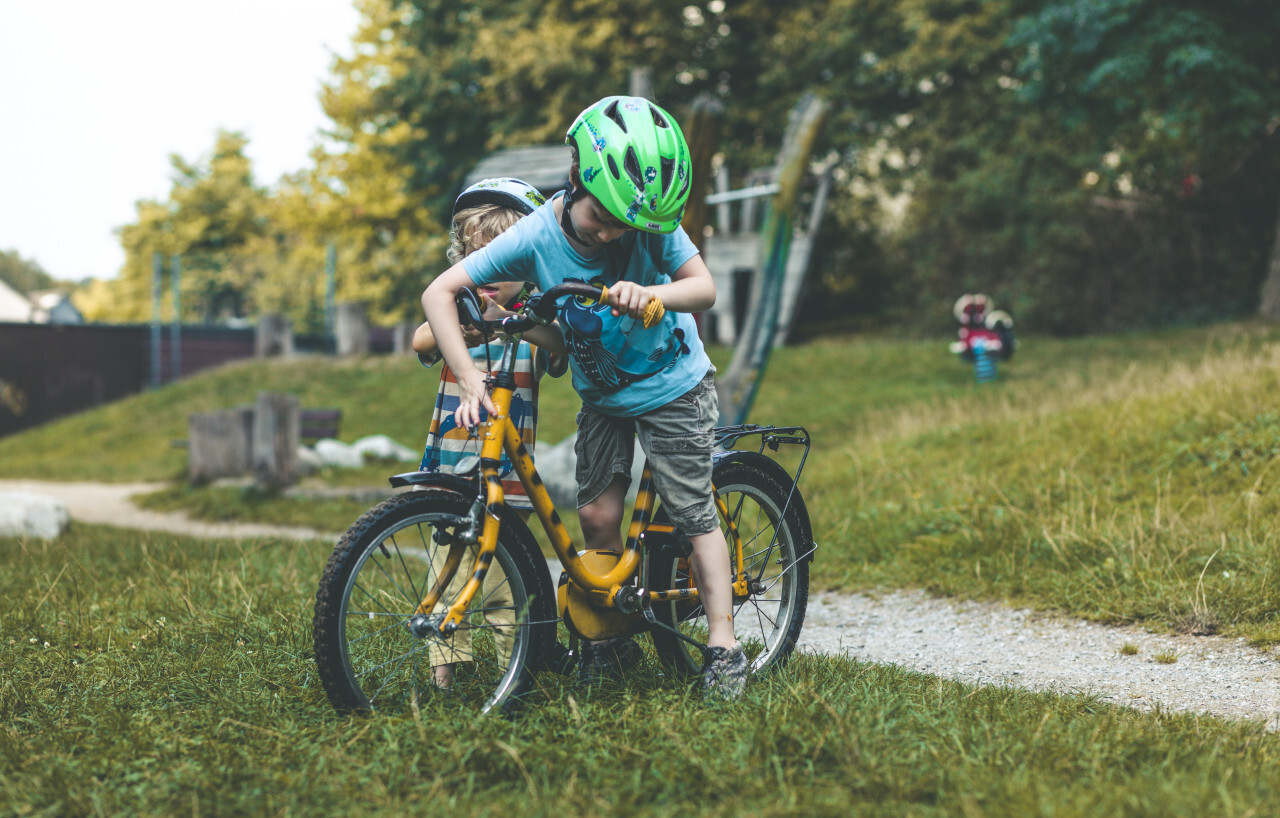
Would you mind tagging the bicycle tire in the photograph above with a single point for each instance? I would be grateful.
(755, 491)
(367, 657)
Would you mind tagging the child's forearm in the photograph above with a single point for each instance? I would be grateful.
(548, 338)
(687, 295)
(442, 314)
(424, 341)
(691, 288)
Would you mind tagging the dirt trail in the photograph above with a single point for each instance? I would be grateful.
(110, 504)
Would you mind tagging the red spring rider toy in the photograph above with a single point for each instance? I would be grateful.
(985, 335)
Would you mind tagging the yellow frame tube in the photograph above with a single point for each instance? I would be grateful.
(494, 430)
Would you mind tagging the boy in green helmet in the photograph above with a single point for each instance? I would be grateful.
(617, 224)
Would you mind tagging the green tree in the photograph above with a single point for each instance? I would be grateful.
(1089, 164)
(24, 275)
(360, 192)
(213, 212)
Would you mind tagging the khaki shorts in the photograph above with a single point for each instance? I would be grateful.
(676, 439)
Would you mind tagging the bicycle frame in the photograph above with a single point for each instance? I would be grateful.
(612, 589)
(499, 434)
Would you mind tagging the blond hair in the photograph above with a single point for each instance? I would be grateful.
(475, 227)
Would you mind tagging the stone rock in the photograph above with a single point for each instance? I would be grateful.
(336, 453)
(384, 448)
(308, 461)
(557, 465)
(24, 514)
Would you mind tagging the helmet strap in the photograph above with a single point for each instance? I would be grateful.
(566, 223)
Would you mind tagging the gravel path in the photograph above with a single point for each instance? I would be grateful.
(988, 643)
(973, 642)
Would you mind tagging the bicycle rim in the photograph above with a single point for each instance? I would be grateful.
(372, 655)
(767, 622)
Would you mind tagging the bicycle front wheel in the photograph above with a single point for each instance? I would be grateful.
(775, 549)
(373, 655)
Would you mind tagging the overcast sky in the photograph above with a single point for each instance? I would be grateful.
(95, 95)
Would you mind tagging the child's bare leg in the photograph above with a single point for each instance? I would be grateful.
(712, 570)
(602, 518)
(443, 675)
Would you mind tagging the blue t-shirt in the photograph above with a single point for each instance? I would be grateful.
(619, 367)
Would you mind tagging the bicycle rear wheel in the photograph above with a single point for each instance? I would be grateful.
(775, 550)
(369, 652)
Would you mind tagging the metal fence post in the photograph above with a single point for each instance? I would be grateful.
(157, 270)
(175, 329)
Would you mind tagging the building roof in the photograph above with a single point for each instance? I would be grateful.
(546, 167)
(14, 306)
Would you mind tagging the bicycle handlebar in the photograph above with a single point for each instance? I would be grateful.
(541, 308)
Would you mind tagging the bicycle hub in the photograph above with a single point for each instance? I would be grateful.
(421, 625)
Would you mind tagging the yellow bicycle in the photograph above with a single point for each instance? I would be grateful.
(388, 607)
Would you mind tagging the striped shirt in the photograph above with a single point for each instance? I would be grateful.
(451, 449)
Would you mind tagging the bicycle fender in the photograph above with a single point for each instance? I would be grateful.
(453, 482)
(470, 487)
(768, 465)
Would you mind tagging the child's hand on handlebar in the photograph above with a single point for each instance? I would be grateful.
(630, 298)
(491, 311)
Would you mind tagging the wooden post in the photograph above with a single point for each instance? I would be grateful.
(641, 84)
(352, 329)
(218, 444)
(275, 441)
(273, 337)
(703, 133)
(1269, 300)
(402, 337)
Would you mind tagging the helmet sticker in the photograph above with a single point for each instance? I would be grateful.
(589, 174)
(597, 141)
(650, 173)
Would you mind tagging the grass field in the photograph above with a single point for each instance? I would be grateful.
(1122, 479)
(144, 674)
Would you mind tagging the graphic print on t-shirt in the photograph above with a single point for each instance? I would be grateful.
(614, 352)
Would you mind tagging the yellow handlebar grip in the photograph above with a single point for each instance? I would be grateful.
(653, 313)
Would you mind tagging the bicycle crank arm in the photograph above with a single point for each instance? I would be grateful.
(653, 620)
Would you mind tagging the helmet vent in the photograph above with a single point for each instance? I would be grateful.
(631, 164)
(613, 113)
(658, 118)
(613, 167)
(668, 174)
(684, 189)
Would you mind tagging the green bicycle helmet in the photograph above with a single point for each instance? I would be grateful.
(634, 159)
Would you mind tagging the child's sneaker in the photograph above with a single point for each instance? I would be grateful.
(725, 674)
(607, 660)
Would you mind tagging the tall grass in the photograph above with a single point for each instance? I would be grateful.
(1150, 497)
(145, 674)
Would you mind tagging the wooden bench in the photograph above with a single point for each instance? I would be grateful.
(316, 424)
